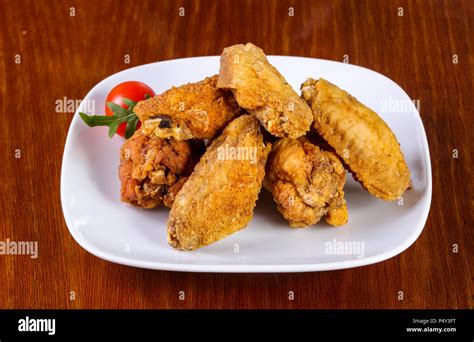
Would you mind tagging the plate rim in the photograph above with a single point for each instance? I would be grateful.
(248, 268)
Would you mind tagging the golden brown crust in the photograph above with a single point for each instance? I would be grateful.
(173, 190)
(337, 215)
(152, 170)
(260, 89)
(219, 197)
(194, 110)
(306, 183)
(360, 137)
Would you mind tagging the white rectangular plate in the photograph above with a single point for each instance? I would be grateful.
(120, 233)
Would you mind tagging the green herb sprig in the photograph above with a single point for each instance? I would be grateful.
(120, 115)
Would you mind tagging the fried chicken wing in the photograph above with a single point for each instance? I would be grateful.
(152, 170)
(194, 110)
(219, 197)
(306, 183)
(358, 135)
(259, 88)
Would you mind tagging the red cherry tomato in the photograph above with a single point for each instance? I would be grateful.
(133, 90)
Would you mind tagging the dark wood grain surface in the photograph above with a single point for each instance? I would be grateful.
(64, 56)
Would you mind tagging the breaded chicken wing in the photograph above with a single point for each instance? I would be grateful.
(194, 110)
(153, 170)
(306, 183)
(260, 89)
(358, 135)
(219, 197)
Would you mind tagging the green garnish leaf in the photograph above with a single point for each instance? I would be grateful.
(113, 128)
(116, 109)
(128, 102)
(131, 127)
(120, 115)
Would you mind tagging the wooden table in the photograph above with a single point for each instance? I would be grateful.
(415, 43)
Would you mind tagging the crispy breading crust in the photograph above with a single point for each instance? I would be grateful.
(219, 197)
(260, 89)
(153, 170)
(360, 137)
(306, 182)
(194, 110)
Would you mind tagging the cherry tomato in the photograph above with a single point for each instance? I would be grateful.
(133, 90)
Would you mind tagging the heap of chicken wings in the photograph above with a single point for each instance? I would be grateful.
(258, 131)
